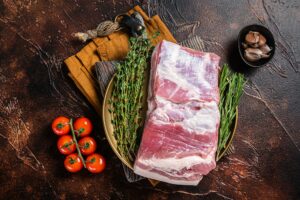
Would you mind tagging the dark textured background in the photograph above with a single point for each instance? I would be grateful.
(35, 38)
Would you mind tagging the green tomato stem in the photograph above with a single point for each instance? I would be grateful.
(76, 143)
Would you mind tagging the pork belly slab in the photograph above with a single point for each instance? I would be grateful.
(180, 135)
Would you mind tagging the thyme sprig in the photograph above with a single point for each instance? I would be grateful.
(127, 95)
(231, 88)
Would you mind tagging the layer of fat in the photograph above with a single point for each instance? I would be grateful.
(169, 68)
(200, 121)
(168, 165)
(156, 176)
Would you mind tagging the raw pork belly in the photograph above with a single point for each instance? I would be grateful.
(181, 130)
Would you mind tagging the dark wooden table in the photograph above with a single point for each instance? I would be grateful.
(35, 38)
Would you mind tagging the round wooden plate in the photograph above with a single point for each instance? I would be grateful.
(109, 129)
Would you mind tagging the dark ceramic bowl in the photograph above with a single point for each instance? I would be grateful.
(270, 42)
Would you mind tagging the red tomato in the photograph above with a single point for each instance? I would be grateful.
(60, 125)
(83, 126)
(66, 145)
(87, 145)
(95, 163)
(73, 163)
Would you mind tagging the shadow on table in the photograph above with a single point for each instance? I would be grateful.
(236, 63)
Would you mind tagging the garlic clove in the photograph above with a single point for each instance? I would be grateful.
(252, 37)
(252, 54)
(245, 46)
(265, 49)
(255, 45)
(262, 40)
(265, 55)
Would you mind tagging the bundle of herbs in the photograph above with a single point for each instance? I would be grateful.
(127, 95)
(231, 88)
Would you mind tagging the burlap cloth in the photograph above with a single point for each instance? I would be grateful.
(112, 47)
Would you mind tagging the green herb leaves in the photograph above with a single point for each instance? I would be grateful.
(127, 95)
(231, 88)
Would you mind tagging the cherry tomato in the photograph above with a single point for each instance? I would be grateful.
(73, 163)
(84, 126)
(60, 125)
(95, 163)
(87, 145)
(66, 145)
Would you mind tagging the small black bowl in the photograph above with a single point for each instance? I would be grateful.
(270, 42)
